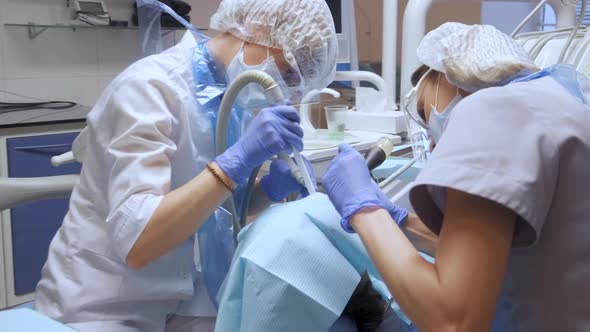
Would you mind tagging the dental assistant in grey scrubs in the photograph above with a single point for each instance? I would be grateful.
(506, 189)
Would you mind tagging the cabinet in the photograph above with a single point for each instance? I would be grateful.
(28, 228)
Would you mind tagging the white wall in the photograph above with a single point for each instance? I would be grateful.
(369, 20)
(64, 64)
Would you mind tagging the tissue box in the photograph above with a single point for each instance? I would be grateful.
(391, 122)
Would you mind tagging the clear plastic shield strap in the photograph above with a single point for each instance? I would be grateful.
(216, 244)
(217, 247)
(149, 14)
(149, 28)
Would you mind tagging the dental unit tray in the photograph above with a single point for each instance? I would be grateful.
(323, 139)
(360, 140)
(320, 159)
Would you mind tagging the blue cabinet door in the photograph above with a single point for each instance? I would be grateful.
(35, 224)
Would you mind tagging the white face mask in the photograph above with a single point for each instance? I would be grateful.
(437, 121)
(252, 95)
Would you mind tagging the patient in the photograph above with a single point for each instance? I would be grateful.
(366, 311)
(295, 269)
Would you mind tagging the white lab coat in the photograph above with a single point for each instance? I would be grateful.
(144, 139)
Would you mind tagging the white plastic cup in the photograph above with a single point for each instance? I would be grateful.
(336, 118)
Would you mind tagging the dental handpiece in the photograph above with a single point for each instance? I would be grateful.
(302, 177)
(275, 96)
(379, 153)
(295, 172)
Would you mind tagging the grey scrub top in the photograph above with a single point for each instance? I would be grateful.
(525, 146)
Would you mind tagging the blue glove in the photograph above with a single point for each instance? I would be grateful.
(279, 183)
(273, 131)
(350, 188)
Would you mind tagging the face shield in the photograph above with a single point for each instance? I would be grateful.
(293, 83)
(304, 30)
(149, 15)
(415, 120)
(312, 63)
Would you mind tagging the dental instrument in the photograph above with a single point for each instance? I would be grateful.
(377, 154)
(400, 171)
(308, 183)
(274, 96)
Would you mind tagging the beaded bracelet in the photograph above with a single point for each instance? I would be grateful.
(220, 177)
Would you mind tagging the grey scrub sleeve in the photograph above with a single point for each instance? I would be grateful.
(497, 146)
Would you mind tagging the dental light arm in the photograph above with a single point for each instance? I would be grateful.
(528, 18)
(574, 32)
(23, 190)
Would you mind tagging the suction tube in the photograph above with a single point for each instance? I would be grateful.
(274, 96)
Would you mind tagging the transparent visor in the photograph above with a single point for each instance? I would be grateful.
(293, 77)
(252, 97)
(410, 104)
(415, 121)
(149, 14)
(290, 80)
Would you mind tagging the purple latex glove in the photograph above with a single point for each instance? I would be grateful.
(350, 188)
(273, 131)
(279, 183)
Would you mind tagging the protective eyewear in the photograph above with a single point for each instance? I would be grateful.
(410, 103)
(417, 125)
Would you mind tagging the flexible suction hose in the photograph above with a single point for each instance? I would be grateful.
(274, 96)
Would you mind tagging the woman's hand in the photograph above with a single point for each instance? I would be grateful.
(275, 130)
(351, 188)
(279, 183)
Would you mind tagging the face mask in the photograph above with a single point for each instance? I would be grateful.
(252, 95)
(437, 121)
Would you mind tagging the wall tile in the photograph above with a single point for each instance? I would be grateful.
(81, 90)
(103, 82)
(2, 47)
(23, 11)
(63, 63)
(2, 88)
(117, 49)
(55, 53)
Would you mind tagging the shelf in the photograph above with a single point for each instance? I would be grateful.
(37, 29)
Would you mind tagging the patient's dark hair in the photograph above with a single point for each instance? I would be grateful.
(366, 306)
(421, 71)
